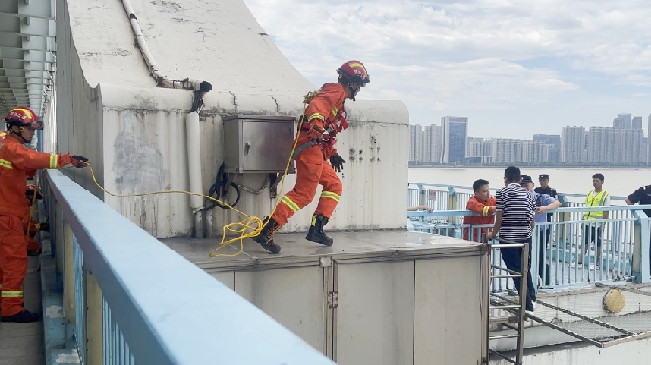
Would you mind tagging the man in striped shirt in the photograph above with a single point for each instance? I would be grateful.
(514, 221)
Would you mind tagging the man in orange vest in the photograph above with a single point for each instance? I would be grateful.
(325, 116)
(16, 163)
(483, 204)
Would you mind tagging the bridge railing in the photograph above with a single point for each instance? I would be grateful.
(559, 257)
(131, 299)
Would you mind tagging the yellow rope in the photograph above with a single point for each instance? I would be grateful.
(251, 224)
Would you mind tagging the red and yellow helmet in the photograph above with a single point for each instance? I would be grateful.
(354, 71)
(23, 116)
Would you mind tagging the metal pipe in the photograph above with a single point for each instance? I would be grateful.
(161, 80)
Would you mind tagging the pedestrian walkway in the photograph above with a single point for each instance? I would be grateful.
(21, 343)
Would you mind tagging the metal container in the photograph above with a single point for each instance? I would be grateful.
(375, 297)
(258, 143)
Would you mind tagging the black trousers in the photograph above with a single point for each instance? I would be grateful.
(512, 257)
(543, 267)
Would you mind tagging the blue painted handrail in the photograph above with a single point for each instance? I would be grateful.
(169, 310)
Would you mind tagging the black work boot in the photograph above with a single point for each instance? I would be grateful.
(266, 236)
(22, 317)
(316, 234)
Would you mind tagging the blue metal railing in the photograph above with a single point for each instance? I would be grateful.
(140, 302)
(624, 251)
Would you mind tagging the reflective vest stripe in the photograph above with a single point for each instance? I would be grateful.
(331, 195)
(12, 293)
(486, 210)
(595, 201)
(293, 206)
(317, 116)
(54, 161)
(6, 164)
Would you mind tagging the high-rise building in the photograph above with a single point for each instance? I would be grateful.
(624, 121)
(648, 145)
(603, 144)
(573, 144)
(415, 147)
(453, 139)
(630, 146)
(432, 143)
(636, 123)
(554, 150)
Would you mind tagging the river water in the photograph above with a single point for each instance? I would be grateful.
(617, 182)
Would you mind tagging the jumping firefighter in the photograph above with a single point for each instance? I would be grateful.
(16, 163)
(325, 116)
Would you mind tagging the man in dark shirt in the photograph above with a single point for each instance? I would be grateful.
(514, 222)
(642, 196)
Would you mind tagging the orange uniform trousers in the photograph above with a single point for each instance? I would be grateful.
(13, 257)
(311, 170)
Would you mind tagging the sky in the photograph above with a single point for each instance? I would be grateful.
(514, 68)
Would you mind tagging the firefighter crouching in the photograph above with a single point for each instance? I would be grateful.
(16, 163)
(325, 116)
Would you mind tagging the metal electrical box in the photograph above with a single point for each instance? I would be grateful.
(258, 143)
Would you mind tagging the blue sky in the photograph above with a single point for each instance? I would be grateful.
(514, 68)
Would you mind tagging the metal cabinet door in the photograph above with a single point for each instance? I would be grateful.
(374, 315)
(266, 145)
(295, 297)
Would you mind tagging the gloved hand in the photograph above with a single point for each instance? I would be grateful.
(79, 161)
(315, 133)
(43, 226)
(337, 162)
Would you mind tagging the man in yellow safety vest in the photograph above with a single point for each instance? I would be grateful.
(592, 230)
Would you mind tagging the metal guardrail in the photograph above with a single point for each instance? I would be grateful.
(557, 256)
(134, 300)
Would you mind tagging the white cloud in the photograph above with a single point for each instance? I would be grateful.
(496, 61)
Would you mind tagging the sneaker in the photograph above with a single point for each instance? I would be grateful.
(22, 317)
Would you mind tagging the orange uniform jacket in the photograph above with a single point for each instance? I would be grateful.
(323, 111)
(16, 163)
(486, 211)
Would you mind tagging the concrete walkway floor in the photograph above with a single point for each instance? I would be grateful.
(21, 343)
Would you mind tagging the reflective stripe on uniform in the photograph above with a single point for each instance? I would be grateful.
(12, 293)
(335, 110)
(293, 206)
(330, 194)
(486, 210)
(54, 161)
(316, 116)
(6, 164)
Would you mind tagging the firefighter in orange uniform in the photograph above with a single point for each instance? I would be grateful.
(16, 162)
(483, 204)
(325, 116)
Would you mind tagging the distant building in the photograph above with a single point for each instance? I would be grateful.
(573, 144)
(432, 136)
(648, 145)
(453, 139)
(555, 141)
(623, 121)
(415, 146)
(636, 123)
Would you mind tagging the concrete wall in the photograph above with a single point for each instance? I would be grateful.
(109, 109)
(634, 352)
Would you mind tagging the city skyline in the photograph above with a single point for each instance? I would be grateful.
(522, 67)
(623, 144)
